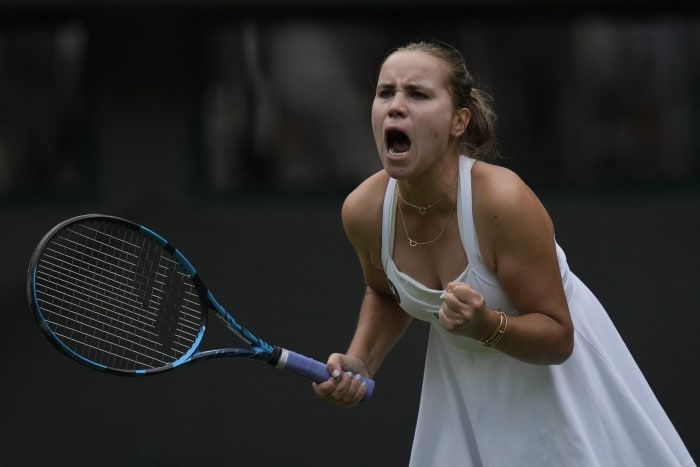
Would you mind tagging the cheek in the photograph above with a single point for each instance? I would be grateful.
(374, 116)
(377, 133)
(376, 127)
(439, 132)
(376, 121)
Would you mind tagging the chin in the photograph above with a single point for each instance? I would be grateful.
(397, 167)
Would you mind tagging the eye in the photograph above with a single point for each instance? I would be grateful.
(419, 95)
(385, 93)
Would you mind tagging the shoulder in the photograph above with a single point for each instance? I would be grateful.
(495, 179)
(499, 190)
(364, 203)
(507, 213)
(362, 215)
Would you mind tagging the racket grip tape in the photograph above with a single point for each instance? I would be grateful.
(313, 369)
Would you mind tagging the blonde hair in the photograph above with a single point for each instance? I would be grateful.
(479, 139)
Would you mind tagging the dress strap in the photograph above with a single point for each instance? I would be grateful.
(465, 217)
(388, 222)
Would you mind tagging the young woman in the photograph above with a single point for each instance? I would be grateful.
(523, 366)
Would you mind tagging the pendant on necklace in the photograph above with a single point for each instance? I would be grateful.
(422, 209)
(412, 242)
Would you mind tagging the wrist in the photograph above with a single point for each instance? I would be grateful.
(497, 331)
(365, 362)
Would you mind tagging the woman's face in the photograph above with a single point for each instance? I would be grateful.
(414, 121)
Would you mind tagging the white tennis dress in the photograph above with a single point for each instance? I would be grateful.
(480, 407)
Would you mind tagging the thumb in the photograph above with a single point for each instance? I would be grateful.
(335, 365)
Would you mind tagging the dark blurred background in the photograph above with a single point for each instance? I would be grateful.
(236, 129)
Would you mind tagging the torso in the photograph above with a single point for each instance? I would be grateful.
(436, 264)
(433, 265)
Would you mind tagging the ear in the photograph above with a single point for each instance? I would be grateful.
(460, 122)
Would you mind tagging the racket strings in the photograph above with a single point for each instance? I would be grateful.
(116, 297)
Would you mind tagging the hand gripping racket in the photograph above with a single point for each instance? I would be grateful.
(119, 298)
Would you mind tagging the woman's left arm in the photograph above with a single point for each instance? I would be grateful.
(516, 238)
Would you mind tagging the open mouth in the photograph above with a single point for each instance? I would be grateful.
(397, 142)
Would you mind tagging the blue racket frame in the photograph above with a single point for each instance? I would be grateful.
(258, 348)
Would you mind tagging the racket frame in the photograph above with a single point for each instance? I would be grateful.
(258, 349)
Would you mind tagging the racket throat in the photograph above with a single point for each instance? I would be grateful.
(279, 357)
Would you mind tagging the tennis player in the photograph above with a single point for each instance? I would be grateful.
(523, 366)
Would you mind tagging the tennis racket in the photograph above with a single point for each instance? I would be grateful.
(119, 298)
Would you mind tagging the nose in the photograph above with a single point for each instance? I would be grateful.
(397, 106)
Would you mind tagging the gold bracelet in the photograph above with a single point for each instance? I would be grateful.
(497, 333)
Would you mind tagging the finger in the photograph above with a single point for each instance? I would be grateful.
(330, 392)
(361, 389)
(335, 365)
(451, 306)
(450, 296)
(350, 390)
(334, 392)
(325, 389)
(461, 292)
(446, 316)
(343, 387)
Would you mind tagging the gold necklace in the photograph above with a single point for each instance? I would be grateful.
(421, 209)
(413, 242)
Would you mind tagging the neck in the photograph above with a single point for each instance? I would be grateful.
(432, 183)
(438, 193)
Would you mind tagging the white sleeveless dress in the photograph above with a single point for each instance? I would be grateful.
(480, 407)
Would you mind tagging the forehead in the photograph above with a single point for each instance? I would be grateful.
(412, 67)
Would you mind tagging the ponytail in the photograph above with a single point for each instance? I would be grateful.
(479, 140)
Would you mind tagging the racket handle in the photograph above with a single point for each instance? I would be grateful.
(313, 369)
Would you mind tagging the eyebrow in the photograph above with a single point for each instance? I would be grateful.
(408, 87)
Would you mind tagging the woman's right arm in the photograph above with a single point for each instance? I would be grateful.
(381, 321)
